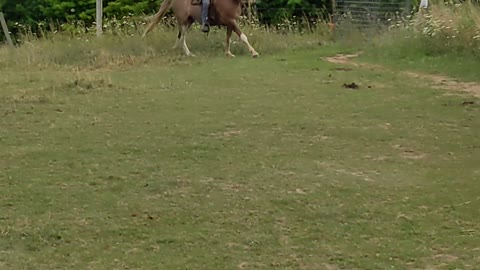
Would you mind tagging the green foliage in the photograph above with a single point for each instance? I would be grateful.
(276, 11)
(127, 7)
(17, 11)
(29, 13)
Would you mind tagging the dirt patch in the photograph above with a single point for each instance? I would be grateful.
(342, 69)
(351, 85)
(342, 59)
(228, 133)
(318, 138)
(445, 257)
(413, 155)
(26, 98)
(408, 153)
(466, 103)
(447, 83)
(438, 81)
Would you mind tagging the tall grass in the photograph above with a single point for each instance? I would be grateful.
(445, 28)
(445, 39)
(76, 45)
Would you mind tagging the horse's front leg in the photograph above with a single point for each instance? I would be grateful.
(179, 38)
(244, 38)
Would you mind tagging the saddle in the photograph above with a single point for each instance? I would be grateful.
(199, 2)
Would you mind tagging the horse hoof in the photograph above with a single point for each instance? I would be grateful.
(229, 54)
(255, 55)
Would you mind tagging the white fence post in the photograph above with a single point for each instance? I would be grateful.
(99, 17)
(5, 29)
(423, 4)
(249, 11)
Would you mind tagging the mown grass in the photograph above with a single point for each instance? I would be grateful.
(214, 163)
(120, 153)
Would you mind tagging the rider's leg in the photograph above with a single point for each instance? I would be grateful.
(205, 5)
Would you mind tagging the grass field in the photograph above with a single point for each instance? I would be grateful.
(214, 163)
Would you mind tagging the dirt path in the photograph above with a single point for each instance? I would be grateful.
(436, 81)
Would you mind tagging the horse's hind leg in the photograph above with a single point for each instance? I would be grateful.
(227, 49)
(244, 38)
(184, 42)
(179, 37)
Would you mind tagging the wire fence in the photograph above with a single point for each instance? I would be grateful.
(345, 14)
(370, 13)
(360, 13)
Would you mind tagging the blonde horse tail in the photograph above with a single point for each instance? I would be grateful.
(157, 17)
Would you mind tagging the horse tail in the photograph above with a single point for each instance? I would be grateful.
(166, 4)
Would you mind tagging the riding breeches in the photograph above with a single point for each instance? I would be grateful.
(205, 5)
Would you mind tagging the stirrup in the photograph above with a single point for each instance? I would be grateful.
(205, 28)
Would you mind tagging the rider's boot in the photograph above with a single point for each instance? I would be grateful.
(205, 5)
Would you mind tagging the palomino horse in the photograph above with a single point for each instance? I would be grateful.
(221, 13)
